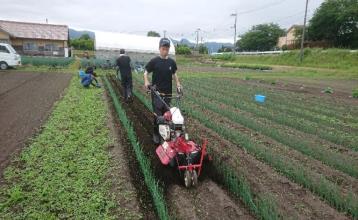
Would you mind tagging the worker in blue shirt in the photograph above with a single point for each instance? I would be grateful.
(89, 77)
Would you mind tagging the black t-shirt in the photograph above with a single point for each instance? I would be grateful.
(124, 64)
(163, 70)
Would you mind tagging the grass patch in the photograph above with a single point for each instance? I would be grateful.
(62, 174)
(329, 58)
(225, 57)
(246, 66)
(355, 93)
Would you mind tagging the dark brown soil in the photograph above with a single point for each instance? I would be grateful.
(26, 100)
(293, 201)
(311, 89)
(207, 201)
(346, 182)
(342, 88)
(131, 197)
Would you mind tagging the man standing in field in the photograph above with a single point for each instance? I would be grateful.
(124, 67)
(164, 69)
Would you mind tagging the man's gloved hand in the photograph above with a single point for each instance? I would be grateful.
(180, 90)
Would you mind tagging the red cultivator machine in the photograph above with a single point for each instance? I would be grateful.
(176, 149)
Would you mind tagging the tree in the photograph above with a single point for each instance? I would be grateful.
(83, 43)
(153, 34)
(336, 21)
(203, 49)
(85, 37)
(183, 49)
(261, 37)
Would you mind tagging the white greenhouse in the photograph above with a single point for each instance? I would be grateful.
(140, 48)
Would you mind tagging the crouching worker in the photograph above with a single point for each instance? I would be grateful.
(164, 69)
(89, 77)
(124, 67)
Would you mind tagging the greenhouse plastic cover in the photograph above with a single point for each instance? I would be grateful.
(129, 42)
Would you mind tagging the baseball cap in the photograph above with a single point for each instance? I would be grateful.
(164, 42)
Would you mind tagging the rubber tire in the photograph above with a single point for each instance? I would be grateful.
(3, 66)
(194, 178)
(187, 178)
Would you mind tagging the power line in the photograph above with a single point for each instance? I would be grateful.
(262, 7)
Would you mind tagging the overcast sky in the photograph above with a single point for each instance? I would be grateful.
(179, 17)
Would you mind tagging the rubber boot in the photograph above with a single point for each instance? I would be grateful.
(156, 137)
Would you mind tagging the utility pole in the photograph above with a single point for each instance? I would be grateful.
(164, 33)
(197, 38)
(235, 27)
(303, 33)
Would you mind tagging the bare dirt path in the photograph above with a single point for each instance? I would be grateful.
(26, 100)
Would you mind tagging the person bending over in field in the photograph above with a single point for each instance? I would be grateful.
(164, 69)
(124, 67)
(89, 77)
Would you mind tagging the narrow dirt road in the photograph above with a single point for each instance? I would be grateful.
(26, 100)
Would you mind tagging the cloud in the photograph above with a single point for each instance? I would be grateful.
(180, 18)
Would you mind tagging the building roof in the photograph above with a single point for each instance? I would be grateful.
(129, 42)
(35, 30)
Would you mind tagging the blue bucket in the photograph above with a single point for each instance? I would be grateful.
(260, 98)
(81, 73)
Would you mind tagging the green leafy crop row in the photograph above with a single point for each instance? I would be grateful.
(150, 181)
(62, 174)
(292, 100)
(328, 133)
(46, 61)
(279, 103)
(324, 188)
(333, 159)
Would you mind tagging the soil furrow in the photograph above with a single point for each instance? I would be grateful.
(207, 201)
(291, 198)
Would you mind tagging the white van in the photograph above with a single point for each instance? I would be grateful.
(8, 56)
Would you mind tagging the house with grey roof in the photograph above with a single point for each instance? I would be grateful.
(35, 39)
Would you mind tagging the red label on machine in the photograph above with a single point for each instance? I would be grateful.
(165, 153)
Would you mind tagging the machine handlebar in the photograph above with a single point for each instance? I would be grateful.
(153, 89)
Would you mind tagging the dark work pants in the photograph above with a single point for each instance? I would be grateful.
(94, 78)
(126, 80)
(159, 109)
